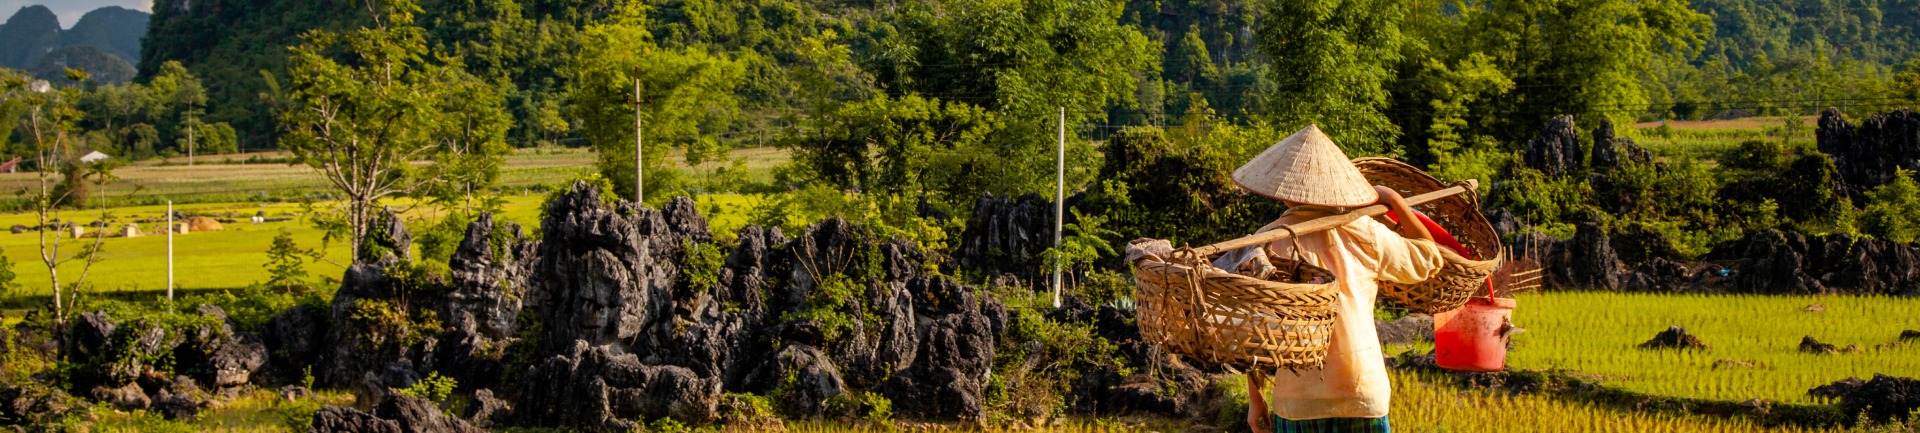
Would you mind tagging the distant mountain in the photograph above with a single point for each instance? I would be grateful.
(105, 67)
(113, 29)
(34, 31)
(29, 34)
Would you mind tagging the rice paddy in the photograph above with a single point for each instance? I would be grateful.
(1595, 333)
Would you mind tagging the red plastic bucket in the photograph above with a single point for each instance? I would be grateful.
(1474, 337)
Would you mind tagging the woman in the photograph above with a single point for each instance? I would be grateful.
(1315, 179)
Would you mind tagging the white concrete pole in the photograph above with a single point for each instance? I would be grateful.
(169, 252)
(640, 148)
(1059, 201)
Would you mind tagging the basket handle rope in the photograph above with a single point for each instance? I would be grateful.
(1202, 345)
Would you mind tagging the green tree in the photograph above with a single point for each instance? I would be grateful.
(1905, 86)
(1021, 58)
(285, 264)
(1894, 213)
(365, 104)
(1190, 64)
(51, 137)
(909, 145)
(1570, 57)
(1331, 61)
(680, 89)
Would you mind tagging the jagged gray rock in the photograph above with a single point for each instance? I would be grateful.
(593, 388)
(417, 415)
(293, 339)
(1868, 155)
(129, 397)
(1556, 149)
(801, 373)
(342, 419)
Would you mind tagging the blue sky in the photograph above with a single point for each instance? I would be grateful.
(71, 10)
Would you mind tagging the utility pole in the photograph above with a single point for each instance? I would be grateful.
(1059, 202)
(169, 253)
(190, 127)
(639, 145)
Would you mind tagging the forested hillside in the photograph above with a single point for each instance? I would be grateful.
(32, 33)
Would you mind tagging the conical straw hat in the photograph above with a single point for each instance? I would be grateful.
(1306, 167)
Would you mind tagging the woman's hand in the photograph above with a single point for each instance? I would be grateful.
(1410, 226)
(1257, 416)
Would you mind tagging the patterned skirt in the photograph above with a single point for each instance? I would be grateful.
(1332, 425)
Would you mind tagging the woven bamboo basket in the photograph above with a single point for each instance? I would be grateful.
(1206, 314)
(1460, 215)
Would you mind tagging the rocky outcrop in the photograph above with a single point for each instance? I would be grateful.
(1556, 149)
(485, 410)
(1674, 337)
(129, 397)
(1776, 262)
(1882, 399)
(1162, 383)
(1764, 262)
(36, 404)
(397, 413)
(1868, 155)
(358, 343)
(488, 276)
(1810, 345)
(1586, 262)
(802, 375)
(218, 356)
(947, 378)
(605, 275)
(1008, 234)
(294, 338)
(592, 387)
(1610, 151)
(342, 419)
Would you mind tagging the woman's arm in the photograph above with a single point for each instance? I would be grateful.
(1410, 226)
(1257, 416)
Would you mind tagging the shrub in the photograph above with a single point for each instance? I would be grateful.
(1756, 155)
(1479, 164)
(700, 264)
(1805, 191)
(435, 388)
(437, 239)
(1541, 199)
(297, 415)
(1894, 213)
(284, 263)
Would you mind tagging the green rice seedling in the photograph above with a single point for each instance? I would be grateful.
(1423, 406)
(1753, 341)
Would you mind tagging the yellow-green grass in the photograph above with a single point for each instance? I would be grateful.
(1424, 406)
(1596, 333)
(226, 178)
(260, 411)
(234, 257)
(229, 258)
(1417, 405)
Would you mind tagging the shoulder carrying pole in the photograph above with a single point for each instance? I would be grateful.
(1328, 222)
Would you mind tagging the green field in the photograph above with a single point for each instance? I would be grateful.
(265, 176)
(1595, 333)
(232, 257)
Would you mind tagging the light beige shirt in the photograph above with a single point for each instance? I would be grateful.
(1354, 382)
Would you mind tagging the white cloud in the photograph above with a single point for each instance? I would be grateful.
(70, 11)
